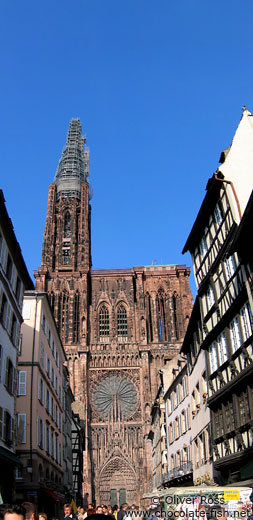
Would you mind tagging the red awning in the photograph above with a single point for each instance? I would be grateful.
(55, 496)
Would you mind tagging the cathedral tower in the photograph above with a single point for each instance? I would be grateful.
(66, 256)
(119, 327)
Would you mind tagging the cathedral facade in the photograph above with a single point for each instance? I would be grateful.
(119, 327)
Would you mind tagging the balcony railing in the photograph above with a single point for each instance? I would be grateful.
(177, 472)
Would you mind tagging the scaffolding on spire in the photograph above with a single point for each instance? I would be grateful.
(73, 167)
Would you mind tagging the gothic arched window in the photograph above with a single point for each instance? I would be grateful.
(175, 314)
(65, 317)
(104, 321)
(67, 220)
(149, 318)
(76, 318)
(122, 321)
(160, 318)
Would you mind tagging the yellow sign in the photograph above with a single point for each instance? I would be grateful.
(232, 494)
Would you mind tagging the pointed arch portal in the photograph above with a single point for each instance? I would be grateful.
(117, 481)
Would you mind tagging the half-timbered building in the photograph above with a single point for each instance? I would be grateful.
(226, 307)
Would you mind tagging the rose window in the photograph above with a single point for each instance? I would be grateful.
(115, 396)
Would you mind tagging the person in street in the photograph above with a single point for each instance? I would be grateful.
(13, 512)
(31, 510)
(42, 516)
(115, 511)
(152, 516)
(90, 510)
(68, 512)
(99, 510)
(122, 512)
(216, 512)
(80, 513)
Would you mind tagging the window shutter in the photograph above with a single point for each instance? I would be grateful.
(7, 370)
(22, 382)
(8, 318)
(21, 433)
(4, 256)
(12, 425)
(14, 277)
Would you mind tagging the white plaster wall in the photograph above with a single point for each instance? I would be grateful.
(238, 166)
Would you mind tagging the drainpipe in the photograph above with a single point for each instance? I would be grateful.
(31, 393)
(233, 190)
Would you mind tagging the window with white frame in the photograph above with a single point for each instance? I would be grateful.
(184, 386)
(172, 401)
(183, 421)
(187, 419)
(213, 359)
(217, 214)
(203, 246)
(178, 393)
(210, 297)
(246, 320)
(222, 348)
(235, 334)
(22, 382)
(230, 266)
(179, 426)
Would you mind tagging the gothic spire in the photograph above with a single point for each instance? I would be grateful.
(73, 167)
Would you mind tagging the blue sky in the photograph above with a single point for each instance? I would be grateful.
(159, 88)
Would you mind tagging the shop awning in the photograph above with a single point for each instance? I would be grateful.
(56, 496)
(10, 457)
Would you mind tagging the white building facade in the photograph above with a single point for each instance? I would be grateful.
(40, 406)
(14, 278)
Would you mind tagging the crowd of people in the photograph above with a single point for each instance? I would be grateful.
(27, 511)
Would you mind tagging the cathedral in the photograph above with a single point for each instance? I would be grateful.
(119, 327)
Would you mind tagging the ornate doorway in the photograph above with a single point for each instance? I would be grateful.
(118, 482)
